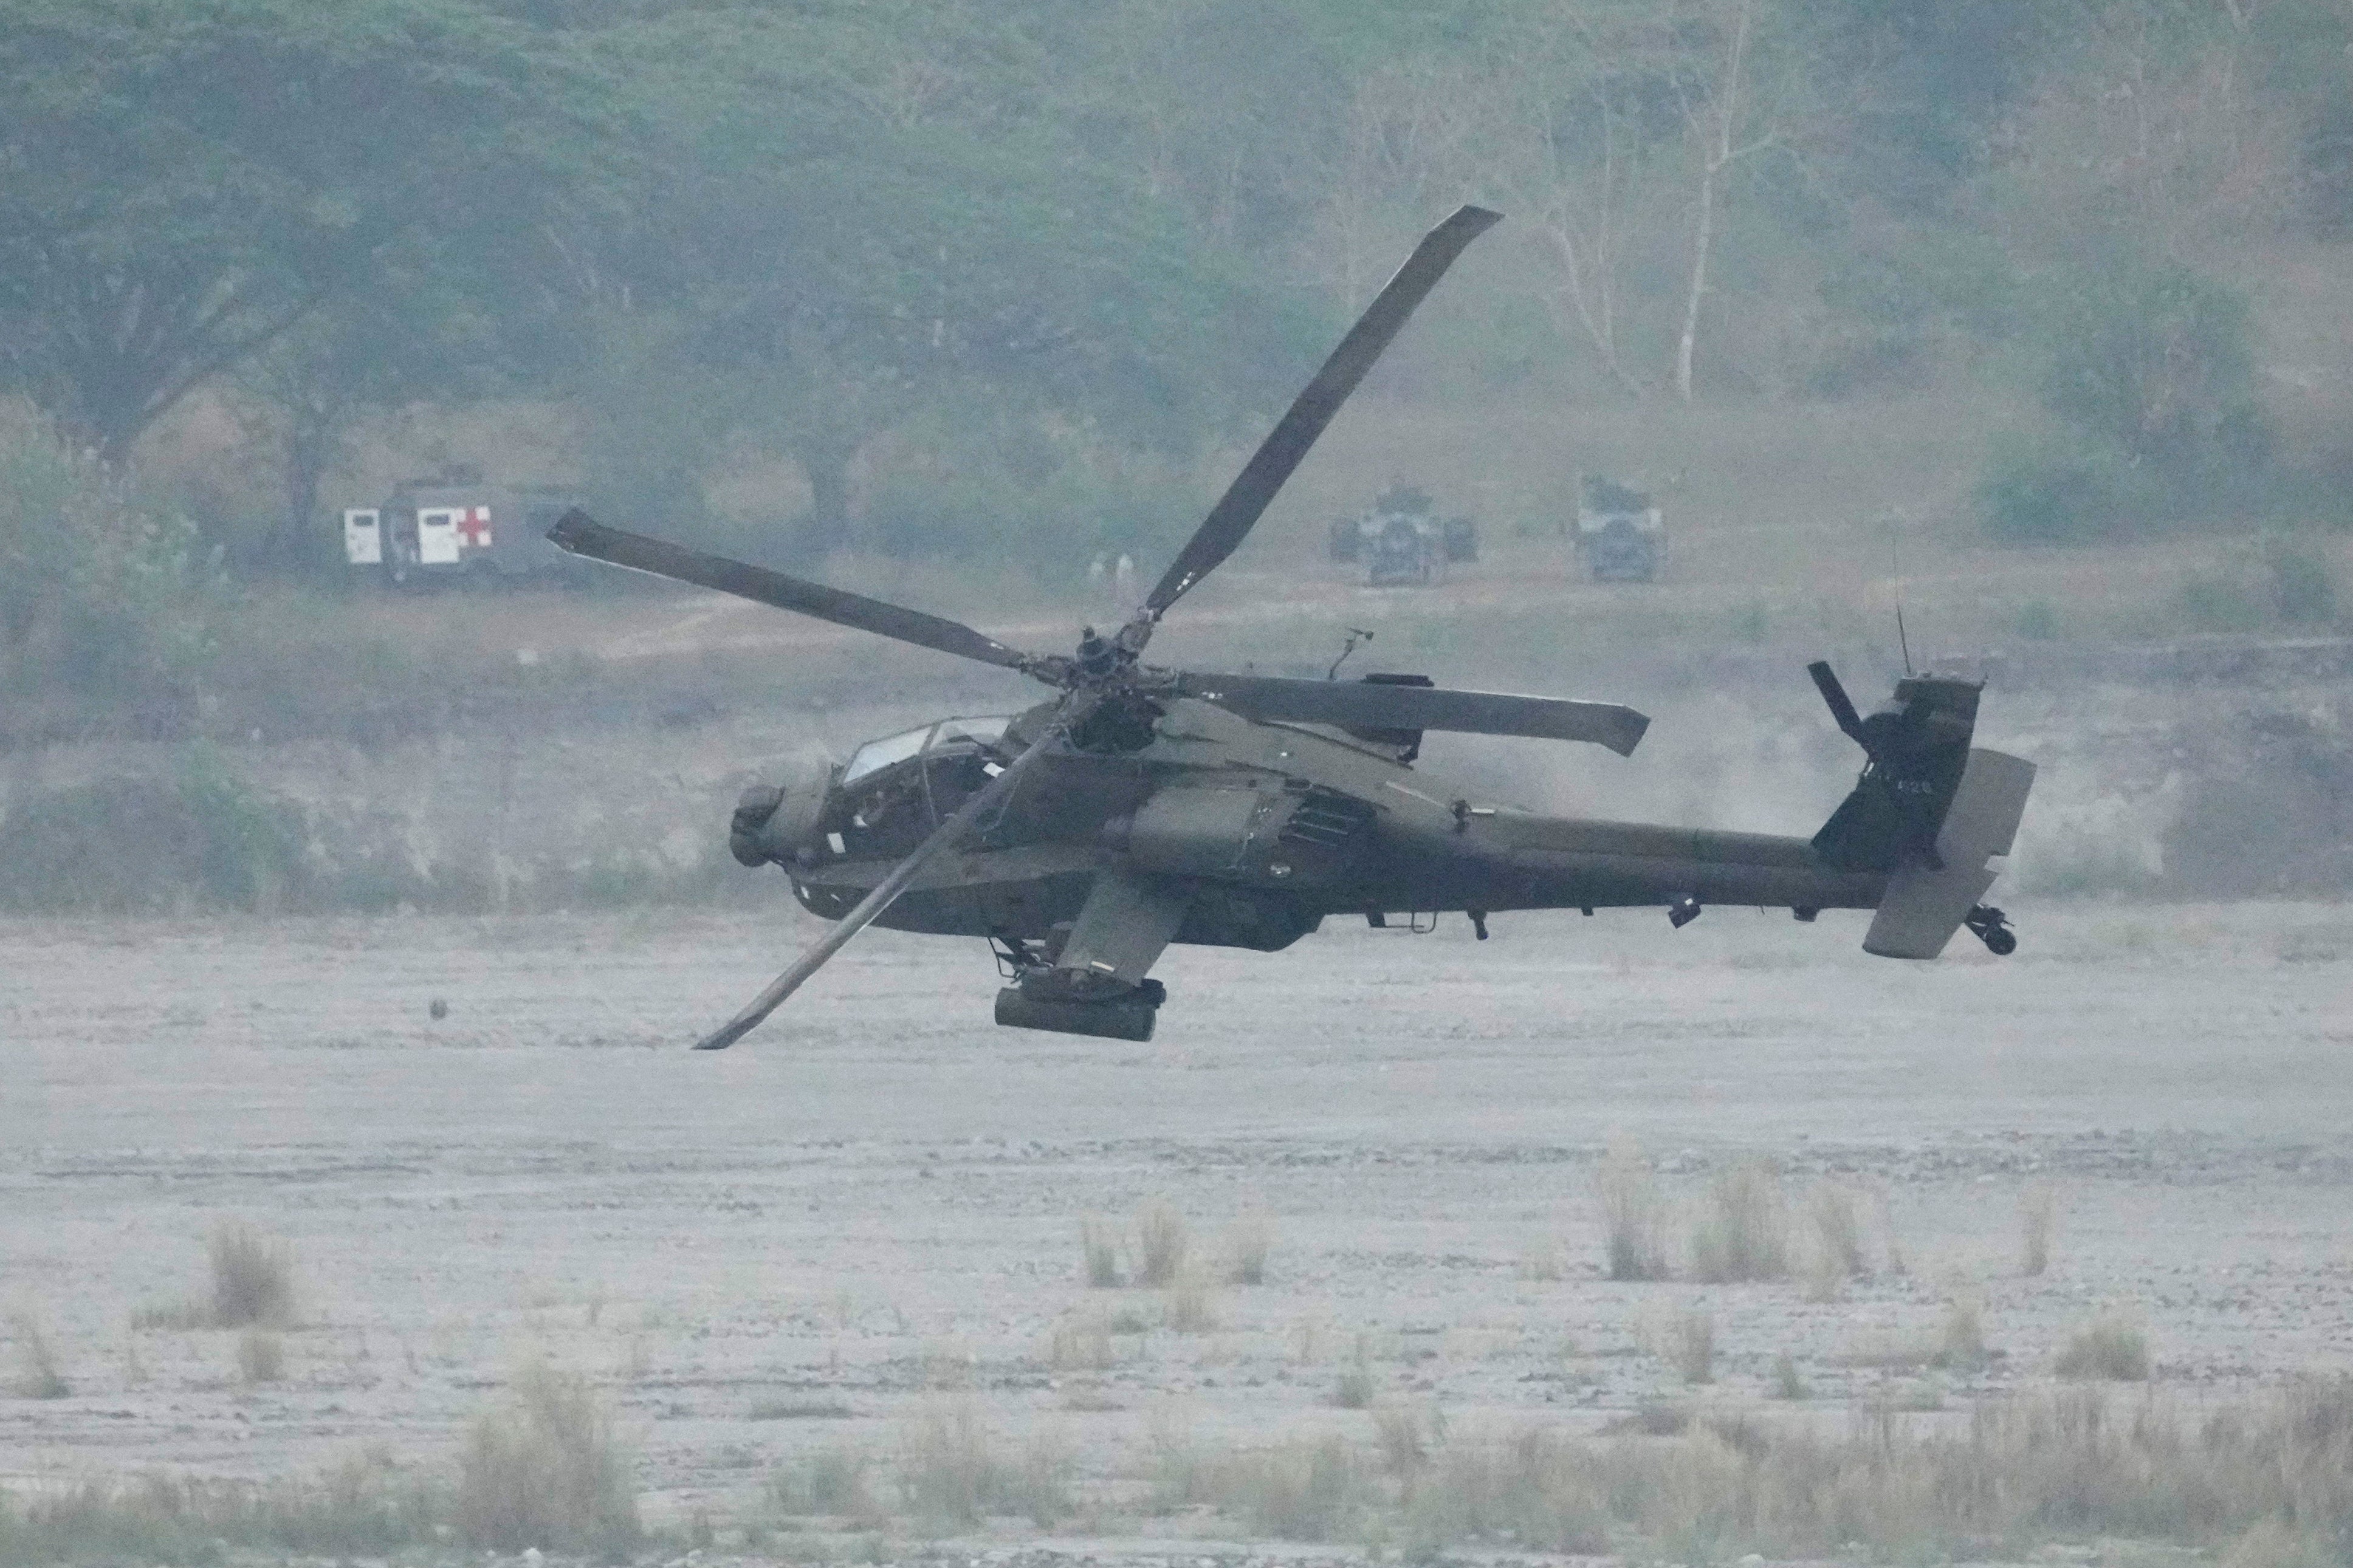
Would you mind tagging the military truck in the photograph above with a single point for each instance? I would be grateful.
(457, 530)
(1400, 540)
(1622, 536)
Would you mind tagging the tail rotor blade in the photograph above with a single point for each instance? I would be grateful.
(1237, 511)
(1827, 681)
(943, 837)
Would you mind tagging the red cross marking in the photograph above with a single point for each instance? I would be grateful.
(474, 524)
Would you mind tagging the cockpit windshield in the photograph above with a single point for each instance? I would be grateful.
(876, 755)
(986, 731)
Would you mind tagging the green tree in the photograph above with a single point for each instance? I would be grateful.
(189, 180)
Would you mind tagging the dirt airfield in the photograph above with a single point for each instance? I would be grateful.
(873, 1209)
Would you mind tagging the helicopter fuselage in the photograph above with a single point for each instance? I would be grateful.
(1264, 830)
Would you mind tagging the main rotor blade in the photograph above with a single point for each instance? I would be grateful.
(943, 837)
(1372, 705)
(576, 531)
(1230, 520)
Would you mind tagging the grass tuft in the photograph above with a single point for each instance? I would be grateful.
(547, 1471)
(1248, 1241)
(1960, 1337)
(1691, 1347)
(951, 1473)
(1633, 1216)
(1081, 1345)
(1834, 1254)
(2110, 1348)
(1743, 1231)
(1099, 1247)
(39, 1375)
(260, 1356)
(2038, 1221)
(833, 1482)
(1162, 1243)
(252, 1278)
(1192, 1307)
(1787, 1384)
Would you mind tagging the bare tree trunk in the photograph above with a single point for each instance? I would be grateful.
(1715, 153)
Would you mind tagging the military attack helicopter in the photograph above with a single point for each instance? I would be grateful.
(1142, 806)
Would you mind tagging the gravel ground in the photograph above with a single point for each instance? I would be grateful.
(874, 1205)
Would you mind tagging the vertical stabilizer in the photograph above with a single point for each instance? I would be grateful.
(1926, 901)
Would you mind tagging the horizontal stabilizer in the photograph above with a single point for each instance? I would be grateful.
(1376, 705)
(1923, 906)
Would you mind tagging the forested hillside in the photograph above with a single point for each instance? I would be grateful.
(985, 281)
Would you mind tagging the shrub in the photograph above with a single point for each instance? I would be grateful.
(101, 595)
(365, 1506)
(1743, 1233)
(546, 1472)
(2051, 491)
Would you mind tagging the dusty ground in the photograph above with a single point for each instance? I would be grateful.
(874, 1203)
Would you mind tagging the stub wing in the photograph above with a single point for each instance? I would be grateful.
(1924, 907)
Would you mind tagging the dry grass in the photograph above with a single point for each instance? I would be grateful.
(1530, 1491)
(2038, 1222)
(1960, 1337)
(39, 1372)
(547, 1471)
(2111, 1347)
(1162, 1244)
(260, 1356)
(1248, 1240)
(1744, 1229)
(1099, 1249)
(1081, 1345)
(950, 1471)
(1633, 1217)
(1304, 1489)
(833, 1482)
(1192, 1305)
(1787, 1384)
(1834, 1252)
(252, 1278)
(2017, 1474)
(1690, 1347)
(1356, 1384)
(1541, 1262)
(365, 1506)
(1405, 1436)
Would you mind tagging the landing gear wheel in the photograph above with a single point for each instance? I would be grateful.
(1993, 927)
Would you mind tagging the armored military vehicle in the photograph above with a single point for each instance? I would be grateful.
(1400, 539)
(1622, 536)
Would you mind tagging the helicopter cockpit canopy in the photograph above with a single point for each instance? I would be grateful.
(875, 755)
